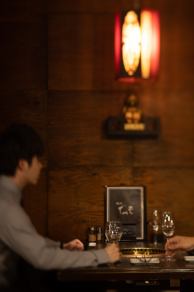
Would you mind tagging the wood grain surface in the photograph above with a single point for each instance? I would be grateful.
(57, 74)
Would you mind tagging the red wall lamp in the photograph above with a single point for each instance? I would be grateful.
(137, 54)
(137, 45)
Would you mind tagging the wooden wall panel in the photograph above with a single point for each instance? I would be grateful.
(75, 130)
(175, 144)
(77, 198)
(176, 47)
(94, 6)
(76, 66)
(22, 7)
(169, 188)
(80, 51)
(24, 105)
(24, 53)
(83, 92)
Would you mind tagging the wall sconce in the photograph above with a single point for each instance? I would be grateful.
(137, 53)
(137, 45)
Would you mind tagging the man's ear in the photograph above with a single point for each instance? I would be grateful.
(23, 164)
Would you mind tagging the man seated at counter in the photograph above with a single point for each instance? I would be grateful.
(20, 150)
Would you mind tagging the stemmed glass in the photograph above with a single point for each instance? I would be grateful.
(113, 231)
(168, 228)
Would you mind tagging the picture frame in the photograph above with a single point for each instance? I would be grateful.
(127, 204)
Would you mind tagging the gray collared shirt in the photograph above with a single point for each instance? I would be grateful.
(18, 234)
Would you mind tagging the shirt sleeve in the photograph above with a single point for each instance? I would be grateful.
(21, 236)
(51, 242)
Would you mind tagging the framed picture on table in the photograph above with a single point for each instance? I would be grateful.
(127, 204)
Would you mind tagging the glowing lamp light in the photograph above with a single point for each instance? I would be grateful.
(137, 45)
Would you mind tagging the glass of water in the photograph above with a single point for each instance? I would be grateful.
(168, 228)
(113, 231)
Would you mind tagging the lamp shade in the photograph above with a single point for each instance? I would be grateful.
(137, 45)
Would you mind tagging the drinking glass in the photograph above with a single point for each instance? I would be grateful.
(168, 229)
(113, 231)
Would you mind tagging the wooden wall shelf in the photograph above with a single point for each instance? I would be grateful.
(114, 128)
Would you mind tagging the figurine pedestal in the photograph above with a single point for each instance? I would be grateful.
(116, 128)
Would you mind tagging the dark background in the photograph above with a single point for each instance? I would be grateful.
(57, 74)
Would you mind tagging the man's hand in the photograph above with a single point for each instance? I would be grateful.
(113, 252)
(180, 242)
(74, 244)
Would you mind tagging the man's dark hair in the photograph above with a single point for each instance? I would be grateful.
(18, 141)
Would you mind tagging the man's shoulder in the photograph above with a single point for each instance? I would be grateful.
(10, 211)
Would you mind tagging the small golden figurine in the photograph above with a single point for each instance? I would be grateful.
(132, 114)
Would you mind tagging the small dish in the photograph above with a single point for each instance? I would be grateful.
(144, 260)
(189, 258)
